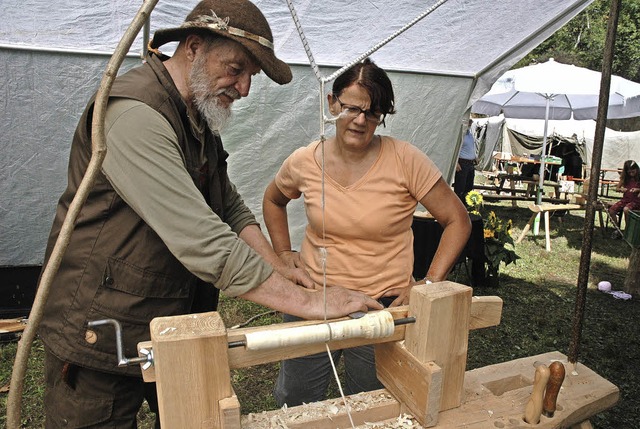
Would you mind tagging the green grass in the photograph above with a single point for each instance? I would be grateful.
(539, 294)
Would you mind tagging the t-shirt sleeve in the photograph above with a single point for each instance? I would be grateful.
(288, 177)
(422, 173)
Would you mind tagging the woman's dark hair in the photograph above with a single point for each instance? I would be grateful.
(374, 80)
(627, 166)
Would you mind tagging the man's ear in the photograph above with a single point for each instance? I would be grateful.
(192, 43)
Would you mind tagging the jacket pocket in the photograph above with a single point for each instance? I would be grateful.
(129, 293)
(134, 296)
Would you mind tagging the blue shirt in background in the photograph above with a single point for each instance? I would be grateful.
(468, 149)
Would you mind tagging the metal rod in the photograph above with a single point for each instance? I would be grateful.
(598, 143)
(122, 360)
(40, 49)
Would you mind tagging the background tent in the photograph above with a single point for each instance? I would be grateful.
(501, 132)
(53, 54)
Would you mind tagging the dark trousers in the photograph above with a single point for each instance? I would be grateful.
(463, 182)
(77, 397)
(306, 379)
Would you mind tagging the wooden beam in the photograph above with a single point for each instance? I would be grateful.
(486, 311)
(229, 409)
(495, 397)
(416, 385)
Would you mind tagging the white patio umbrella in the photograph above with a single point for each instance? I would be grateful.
(553, 90)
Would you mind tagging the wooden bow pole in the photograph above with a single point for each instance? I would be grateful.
(98, 153)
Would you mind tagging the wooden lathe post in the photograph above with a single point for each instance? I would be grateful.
(427, 374)
(192, 372)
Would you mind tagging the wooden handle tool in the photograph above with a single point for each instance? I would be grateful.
(556, 377)
(533, 409)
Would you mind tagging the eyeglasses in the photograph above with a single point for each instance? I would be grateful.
(354, 111)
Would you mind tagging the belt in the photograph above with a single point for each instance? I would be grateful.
(467, 161)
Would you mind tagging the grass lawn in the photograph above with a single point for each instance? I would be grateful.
(539, 293)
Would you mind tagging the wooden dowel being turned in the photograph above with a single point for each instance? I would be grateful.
(372, 325)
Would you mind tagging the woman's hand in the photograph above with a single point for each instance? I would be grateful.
(402, 294)
(291, 259)
(293, 269)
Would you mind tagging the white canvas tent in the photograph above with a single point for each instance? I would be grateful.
(53, 54)
(618, 146)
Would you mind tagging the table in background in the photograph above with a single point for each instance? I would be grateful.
(527, 168)
(605, 182)
(426, 237)
(520, 160)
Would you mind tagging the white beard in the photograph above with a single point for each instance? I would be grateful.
(208, 103)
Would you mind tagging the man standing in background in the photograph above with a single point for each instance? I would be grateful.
(463, 182)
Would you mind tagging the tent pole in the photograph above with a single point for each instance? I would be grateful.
(544, 148)
(536, 224)
(598, 143)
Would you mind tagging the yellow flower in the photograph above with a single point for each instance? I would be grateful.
(473, 199)
(488, 233)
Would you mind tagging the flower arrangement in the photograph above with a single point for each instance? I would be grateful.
(498, 242)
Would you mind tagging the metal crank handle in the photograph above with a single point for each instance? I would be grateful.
(146, 360)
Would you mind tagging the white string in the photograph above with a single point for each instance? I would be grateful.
(335, 374)
(323, 120)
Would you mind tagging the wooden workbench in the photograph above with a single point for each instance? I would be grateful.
(495, 396)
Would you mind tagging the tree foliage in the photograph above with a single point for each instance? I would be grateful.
(581, 41)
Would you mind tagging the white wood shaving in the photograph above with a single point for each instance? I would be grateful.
(327, 409)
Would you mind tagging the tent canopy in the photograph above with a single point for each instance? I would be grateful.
(53, 54)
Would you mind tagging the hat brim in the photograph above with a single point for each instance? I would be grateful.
(277, 70)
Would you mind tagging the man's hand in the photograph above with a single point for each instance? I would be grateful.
(282, 295)
(340, 302)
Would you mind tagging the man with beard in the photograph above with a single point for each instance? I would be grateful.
(164, 229)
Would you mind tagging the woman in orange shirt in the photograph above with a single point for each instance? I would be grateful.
(363, 236)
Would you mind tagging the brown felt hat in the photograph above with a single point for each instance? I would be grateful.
(238, 20)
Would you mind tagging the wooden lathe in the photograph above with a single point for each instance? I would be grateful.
(422, 366)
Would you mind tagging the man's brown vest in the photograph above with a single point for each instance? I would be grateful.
(116, 266)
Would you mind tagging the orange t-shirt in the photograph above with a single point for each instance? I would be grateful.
(367, 236)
